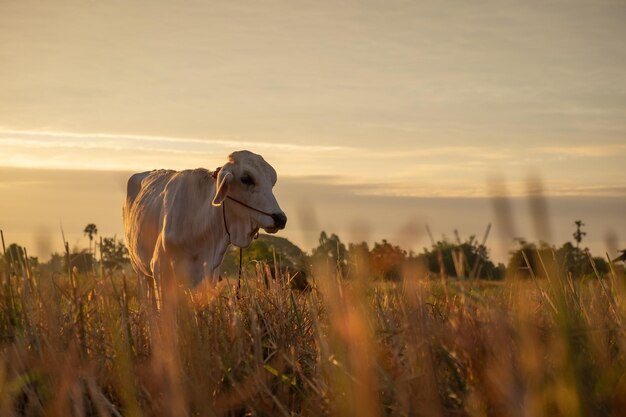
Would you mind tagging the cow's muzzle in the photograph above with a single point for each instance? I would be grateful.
(280, 220)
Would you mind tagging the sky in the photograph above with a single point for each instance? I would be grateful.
(380, 116)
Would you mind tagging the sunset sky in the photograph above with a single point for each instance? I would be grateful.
(379, 116)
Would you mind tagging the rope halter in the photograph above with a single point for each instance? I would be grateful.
(214, 175)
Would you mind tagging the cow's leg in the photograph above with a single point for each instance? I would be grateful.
(195, 271)
(214, 275)
(165, 344)
(168, 273)
(152, 292)
(146, 289)
(189, 267)
(164, 282)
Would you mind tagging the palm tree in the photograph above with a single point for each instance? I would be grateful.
(579, 234)
(90, 230)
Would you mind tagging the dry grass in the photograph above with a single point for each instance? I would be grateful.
(90, 345)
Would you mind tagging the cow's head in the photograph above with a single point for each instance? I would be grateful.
(246, 177)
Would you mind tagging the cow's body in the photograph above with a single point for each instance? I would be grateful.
(177, 226)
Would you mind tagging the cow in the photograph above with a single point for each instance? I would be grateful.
(179, 224)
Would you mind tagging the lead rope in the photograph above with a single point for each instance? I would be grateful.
(240, 249)
(239, 280)
(214, 175)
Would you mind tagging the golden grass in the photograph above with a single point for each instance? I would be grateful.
(90, 345)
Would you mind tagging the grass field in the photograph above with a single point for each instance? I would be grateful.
(90, 345)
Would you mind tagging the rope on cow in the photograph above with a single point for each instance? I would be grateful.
(240, 268)
(214, 175)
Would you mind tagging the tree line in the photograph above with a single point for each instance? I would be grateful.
(444, 258)
(457, 258)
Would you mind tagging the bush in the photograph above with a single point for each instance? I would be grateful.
(462, 260)
(290, 259)
(386, 261)
(567, 258)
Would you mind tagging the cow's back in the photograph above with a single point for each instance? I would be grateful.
(143, 216)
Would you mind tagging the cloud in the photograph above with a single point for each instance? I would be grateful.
(596, 151)
(125, 141)
(398, 170)
(69, 150)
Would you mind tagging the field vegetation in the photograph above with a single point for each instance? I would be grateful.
(369, 332)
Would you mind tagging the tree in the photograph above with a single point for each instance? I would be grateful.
(578, 262)
(578, 234)
(258, 250)
(90, 230)
(386, 260)
(288, 254)
(289, 257)
(332, 251)
(114, 253)
(545, 259)
(83, 261)
(462, 259)
(56, 264)
(358, 258)
(526, 261)
(17, 260)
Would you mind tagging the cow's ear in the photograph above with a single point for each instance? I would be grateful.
(222, 185)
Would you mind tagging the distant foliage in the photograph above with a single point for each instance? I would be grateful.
(579, 262)
(358, 260)
(579, 234)
(290, 259)
(81, 260)
(462, 260)
(16, 259)
(383, 261)
(541, 259)
(56, 264)
(90, 231)
(332, 252)
(386, 260)
(114, 253)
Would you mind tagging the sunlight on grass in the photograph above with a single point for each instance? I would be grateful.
(87, 344)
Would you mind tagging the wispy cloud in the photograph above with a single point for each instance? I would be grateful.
(70, 150)
(32, 139)
(595, 151)
(435, 170)
(101, 140)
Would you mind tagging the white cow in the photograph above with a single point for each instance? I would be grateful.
(179, 224)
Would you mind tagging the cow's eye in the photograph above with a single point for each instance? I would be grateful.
(247, 180)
